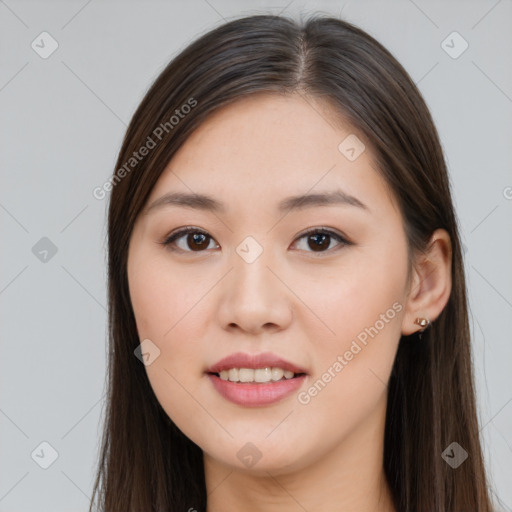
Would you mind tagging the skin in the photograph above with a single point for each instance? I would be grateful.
(304, 305)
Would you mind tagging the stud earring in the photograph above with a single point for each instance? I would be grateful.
(422, 322)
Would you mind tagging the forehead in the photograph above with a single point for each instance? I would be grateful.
(266, 147)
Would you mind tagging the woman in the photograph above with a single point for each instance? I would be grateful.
(288, 318)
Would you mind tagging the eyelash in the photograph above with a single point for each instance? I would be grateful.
(191, 229)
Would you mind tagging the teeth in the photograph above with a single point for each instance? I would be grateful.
(263, 375)
(246, 375)
(258, 375)
(277, 373)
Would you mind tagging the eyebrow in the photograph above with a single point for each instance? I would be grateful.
(293, 203)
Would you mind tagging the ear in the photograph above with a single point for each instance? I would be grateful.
(431, 282)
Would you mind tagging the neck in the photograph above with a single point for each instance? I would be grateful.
(350, 478)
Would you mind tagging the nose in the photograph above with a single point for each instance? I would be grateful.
(254, 296)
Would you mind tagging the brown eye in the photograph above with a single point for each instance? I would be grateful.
(194, 240)
(320, 240)
(197, 241)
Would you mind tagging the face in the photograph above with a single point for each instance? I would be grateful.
(318, 287)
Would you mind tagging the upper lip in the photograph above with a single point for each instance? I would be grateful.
(263, 360)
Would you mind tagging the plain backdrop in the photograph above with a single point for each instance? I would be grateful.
(63, 117)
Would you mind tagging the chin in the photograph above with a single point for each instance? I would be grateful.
(260, 458)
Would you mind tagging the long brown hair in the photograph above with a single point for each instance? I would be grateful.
(146, 463)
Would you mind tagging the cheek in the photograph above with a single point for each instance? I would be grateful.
(363, 309)
(365, 294)
(163, 296)
(353, 366)
(168, 309)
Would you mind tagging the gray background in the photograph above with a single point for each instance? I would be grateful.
(62, 122)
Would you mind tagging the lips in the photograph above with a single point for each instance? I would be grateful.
(255, 394)
(254, 361)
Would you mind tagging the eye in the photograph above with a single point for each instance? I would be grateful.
(319, 239)
(197, 240)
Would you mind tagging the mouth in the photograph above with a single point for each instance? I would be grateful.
(249, 387)
(255, 380)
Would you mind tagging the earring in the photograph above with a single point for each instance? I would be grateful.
(422, 322)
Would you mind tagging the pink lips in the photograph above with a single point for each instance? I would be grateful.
(255, 394)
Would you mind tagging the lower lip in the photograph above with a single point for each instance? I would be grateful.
(256, 395)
